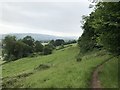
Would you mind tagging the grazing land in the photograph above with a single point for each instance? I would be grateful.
(59, 62)
(60, 70)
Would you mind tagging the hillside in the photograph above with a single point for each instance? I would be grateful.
(42, 37)
(58, 70)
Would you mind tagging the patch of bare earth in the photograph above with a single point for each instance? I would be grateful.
(95, 78)
(95, 83)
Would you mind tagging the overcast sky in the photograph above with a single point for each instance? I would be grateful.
(60, 18)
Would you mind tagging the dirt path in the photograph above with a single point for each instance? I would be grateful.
(95, 83)
(95, 79)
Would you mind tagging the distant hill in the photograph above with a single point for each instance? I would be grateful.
(42, 37)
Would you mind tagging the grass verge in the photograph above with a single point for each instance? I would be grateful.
(109, 74)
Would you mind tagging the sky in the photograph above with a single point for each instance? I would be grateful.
(52, 17)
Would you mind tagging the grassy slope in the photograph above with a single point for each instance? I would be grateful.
(0, 52)
(0, 55)
(109, 74)
(64, 71)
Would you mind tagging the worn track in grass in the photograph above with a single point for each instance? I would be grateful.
(95, 83)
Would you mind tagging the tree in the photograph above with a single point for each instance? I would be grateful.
(47, 50)
(70, 42)
(87, 41)
(59, 42)
(21, 49)
(8, 46)
(30, 42)
(101, 28)
(38, 46)
(14, 49)
(107, 23)
(51, 44)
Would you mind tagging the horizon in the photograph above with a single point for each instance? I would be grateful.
(42, 34)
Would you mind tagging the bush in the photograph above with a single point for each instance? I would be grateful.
(12, 57)
(47, 50)
(38, 46)
(59, 42)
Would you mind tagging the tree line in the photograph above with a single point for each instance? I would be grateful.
(102, 28)
(13, 48)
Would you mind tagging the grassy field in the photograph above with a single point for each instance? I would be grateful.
(58, 70)
(0, 51)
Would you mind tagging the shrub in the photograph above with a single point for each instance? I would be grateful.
(12, 57)
(47, 50)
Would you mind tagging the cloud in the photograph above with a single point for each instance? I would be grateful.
(57, 18)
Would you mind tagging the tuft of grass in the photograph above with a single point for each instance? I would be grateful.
(109, 74)
(42, 67)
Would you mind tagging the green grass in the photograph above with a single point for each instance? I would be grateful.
(109, 74)
(0, 52)
(64, 70)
